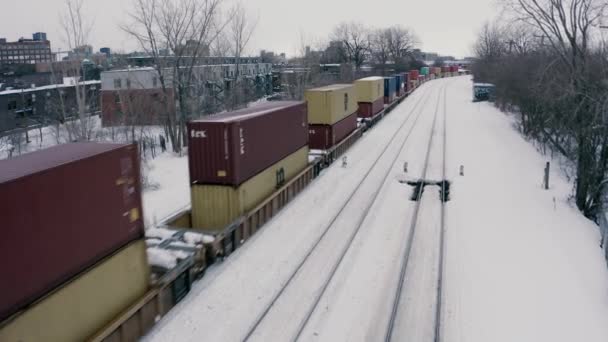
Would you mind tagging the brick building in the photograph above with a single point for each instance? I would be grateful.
(26, 51)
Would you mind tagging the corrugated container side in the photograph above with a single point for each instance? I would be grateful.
(414, 74)
(329, 105)
(62, 210)
(323, 137)
(398, 84)
(389, 86)
(87, 303)
(369, 89)
(368, 110)
(228, 151)
(216, 206)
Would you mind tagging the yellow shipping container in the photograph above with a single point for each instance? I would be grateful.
(216, 206)
(328, 105)
(369, 89)
(87, 303)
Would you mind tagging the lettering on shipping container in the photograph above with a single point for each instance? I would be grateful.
(242, 141)
(198, 134)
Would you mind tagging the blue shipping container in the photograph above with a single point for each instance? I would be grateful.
(390, 84)
(398, 83)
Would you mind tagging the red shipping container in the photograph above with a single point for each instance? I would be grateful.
(368, 110)
(414, 74)
(230, 148)
(445, 69)
(389, 99)
(323, 137)
(62, 210)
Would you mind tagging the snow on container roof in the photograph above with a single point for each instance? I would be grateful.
(332, 87)
(39, 161)
(247, 113)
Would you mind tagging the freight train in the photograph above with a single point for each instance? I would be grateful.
(73, 212)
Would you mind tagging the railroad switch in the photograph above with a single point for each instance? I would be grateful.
(419, 186)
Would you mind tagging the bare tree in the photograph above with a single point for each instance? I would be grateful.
(380, 47)
(402, 42)
(76, 30)
(241, 29)
(548, 69)
(185, 28)
(355, 39)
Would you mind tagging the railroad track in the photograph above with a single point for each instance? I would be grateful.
(412, 231)
(351, 238)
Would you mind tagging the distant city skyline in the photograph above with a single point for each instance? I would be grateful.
(447, 28)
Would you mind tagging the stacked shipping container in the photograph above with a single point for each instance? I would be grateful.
(390, 87)
(239, 158)
(332, 114)
(406, 82)
(64, 210)
(399, 85)
(370, 96)
(87, 303)
(414, 74)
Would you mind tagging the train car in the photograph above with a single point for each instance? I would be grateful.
(390, 86)
(370, 96)
(332, 114)
(230, 148)
(399, 91)
(215, 207)
(69, 206)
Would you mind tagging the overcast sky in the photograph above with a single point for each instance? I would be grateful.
(444, 26)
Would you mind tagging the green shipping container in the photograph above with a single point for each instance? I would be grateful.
(87, 303)
(424, 71)
(216, 206)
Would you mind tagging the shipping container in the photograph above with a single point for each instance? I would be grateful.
(414, 74)
(328, 105)
(323, 137)
(406, 82)
(230, 148)
(88, 302)
(445, 69)
(398, 84)
(368, 110)
(369, 89)
(216, 206)
(389, 89)
(62, 210)
(424, 71)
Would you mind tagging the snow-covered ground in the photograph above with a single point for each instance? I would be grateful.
(521, 263)
(520, 267)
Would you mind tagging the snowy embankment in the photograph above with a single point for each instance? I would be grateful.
(523, 264)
